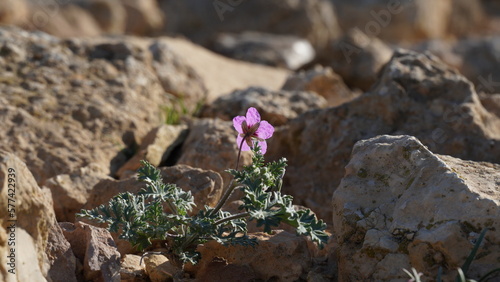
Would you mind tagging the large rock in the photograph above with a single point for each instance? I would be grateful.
(322, 81)
(401, 206)
(200, 20)
(143, 17)
(416, 95)
(40, 249)
(280, 256)
(277, 107)
(13, 12)
(357, 58)
(72, 103)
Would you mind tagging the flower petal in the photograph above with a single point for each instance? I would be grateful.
(244, 147)
(265, 130)
(263, 147)
(253, 116)
(237, 121)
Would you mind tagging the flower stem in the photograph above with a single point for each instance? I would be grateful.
(224, 198)
(234, 216)
(239, 153)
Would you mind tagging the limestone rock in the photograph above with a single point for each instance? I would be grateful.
(40, 247)
(131, 270)
(322, 81)
(70, 191)
(357, 58)
(281, 256)
(277, 107)
(467, 17)
(13, 11)
(400, 205)
(491, 102)
(211, 145)
(417, 95)
(156, 147)
(95, 248)
(109, 14)
(159, 268)
(396, 21)
(267, 49)
(314, 20)
(143, 17)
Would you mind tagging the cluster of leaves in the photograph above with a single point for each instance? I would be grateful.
(462, 271)
(177, 109)
(162, 212)
(264, 202)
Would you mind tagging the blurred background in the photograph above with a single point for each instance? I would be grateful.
(353, 37)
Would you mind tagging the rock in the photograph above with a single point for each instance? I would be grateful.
(396, 21)
(205, 185)
(322, 81)
(131, 269)
(211, 145)
(70, 191)
(71, 103)
(480, 62)
(13, 12)
(357, 58)
(467, 17)
(222, 75)
(40, 248)
(267, 49)
(159, 268)
(277, 107)
(201, 21)
(156, 147)
(491, 102)
(95, 248)
(400, 205)
(143, 17)
(417, 95)
(109, 14)
(281, 256)
(176, 76)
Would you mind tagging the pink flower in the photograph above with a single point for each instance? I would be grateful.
(252, 128)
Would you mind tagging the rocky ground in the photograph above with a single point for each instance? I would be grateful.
(388, 114)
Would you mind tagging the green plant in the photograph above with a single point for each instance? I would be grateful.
(462, 271)
(162, 211)
(174, 112)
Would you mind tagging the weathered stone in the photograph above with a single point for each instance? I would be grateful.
(282, 256)
(131, 269)
(467, 17)
(277, 107)
(211, 145)
(267, 49)
(399, 205)
(416, 95)
(396, 21)
(13, 11)
(143, 17)
(70, 191)
(155, 148)
(491, 102)
(314, 20)
(64, 20)
(109, 14)
(40, 247)
(357, 58)
(95, 248)
(322, 81)
(159, 268)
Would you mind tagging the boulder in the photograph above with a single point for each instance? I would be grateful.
(96, 250)
(396, 21)
(156, 148)
(399, 206)
(143, 17)
(14, 12)
(201, 21)
(72, 103)
(357, 58)
(109, 14)
(491, 102)
(322, 81)
(159, 268)
(284, 51)
(416, 94)
(277, 107)
(211, 145)
(131, 269)
(467, 18)
(31, 227)
(280, 256)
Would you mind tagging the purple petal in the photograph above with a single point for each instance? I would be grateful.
(244, 147)
(263, 147)
(265, 130)
(237, 123)
(253, 116)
